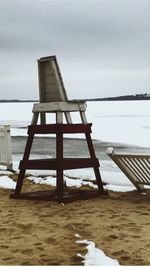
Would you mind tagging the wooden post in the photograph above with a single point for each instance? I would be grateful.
(25, 157)
(59, 157)
(96, 169)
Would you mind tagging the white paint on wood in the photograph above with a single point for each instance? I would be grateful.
(5, 147)
(136, 166)
(68, 117)
(83, 117)
(59, 117)
(59, 106)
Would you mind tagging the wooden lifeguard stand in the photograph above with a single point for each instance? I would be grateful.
(53, 99)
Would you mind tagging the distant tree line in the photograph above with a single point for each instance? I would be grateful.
(116, 98)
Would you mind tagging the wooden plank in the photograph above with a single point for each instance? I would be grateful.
(142, 169)
(135, 166)
(45, 59)
(59, 117)
(5, 147)
(54, 164)
(59, 81)
(43, 117)
(146, 162)
(35, 118)
(59, 106)
(59, 128)
(52, 96)
(68, 117)
(51, 86)
(83, 117)
(129, 155)
(69, 195)
(129, 173)
(128, 166)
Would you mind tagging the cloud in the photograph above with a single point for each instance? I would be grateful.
(89, 37)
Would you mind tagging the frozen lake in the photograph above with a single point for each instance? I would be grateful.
(126, 122)
(121, 124)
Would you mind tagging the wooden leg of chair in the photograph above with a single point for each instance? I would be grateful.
(60, 185)
(96, 169)
(19, 182)
(98, 179)
(25, 157)
(59, 157)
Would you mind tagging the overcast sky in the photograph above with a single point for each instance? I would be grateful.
(102, 46)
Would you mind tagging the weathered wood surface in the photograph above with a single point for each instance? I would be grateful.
(135, 166)
(5, 147)
(59, 163)
(51, 86)
(53, 96)
(59, 106)
(53, 99)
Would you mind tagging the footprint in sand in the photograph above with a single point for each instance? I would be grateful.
(27, 251)
(7, 259)
(3, 229)
(3, 246)
(145, 213)
(51, 240)
(125, 258)
(27, 227)
(119, 252)
(111, 237)
(19, 237)
(114, 216)
(122, 254)
(136, 236)
(134, 229)
(26, 263)
(113, 227)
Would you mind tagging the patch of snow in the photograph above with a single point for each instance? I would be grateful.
(41, 172)
(95, 256)
(46, 180)
(7, 183)
(79, 182)
(87, 173)
(49, 180)
(119, 188)
(5, 172)
(115, 177)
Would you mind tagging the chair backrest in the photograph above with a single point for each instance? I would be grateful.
(136, 166)
(51, 86)
(53, 96)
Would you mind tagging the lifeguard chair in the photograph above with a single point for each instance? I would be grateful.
(53, 99)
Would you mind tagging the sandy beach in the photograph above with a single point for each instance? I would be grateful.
(43, 233)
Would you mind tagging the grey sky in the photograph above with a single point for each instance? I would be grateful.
(102, 46)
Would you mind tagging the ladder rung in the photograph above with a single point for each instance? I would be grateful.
(59, 128)
(54, 164)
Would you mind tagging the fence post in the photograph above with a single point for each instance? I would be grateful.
(6, 150)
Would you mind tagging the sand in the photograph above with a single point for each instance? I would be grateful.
(43, 233)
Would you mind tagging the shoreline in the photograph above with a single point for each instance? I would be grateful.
(48, 146)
